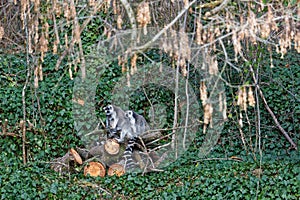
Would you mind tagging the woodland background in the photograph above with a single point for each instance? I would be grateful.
(249, 44)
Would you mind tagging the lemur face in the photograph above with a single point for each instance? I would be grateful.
(128, 114)
(108, 109)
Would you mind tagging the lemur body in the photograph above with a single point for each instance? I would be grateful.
(130, 124)
(138, 123)
(116, 120)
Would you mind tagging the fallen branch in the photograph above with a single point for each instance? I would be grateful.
(9, 134)
(233, 158)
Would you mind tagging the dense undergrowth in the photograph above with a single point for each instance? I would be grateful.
(49, 109)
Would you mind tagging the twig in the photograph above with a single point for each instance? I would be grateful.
(81, 54)
(4, 126)
(258, 125)
(231, 159)
(175, 121)
(57, 163)
(210, 4)
(95, 132)
(242, 137)
(102, 123)
(39, 106)
(23, 124)
(9, 134)
(132, 20)
(286, 135)
(187, 96)
(152, 108)
(159, 147)
(165, 136)
(147, 154)
(93, 185)
(156, 170)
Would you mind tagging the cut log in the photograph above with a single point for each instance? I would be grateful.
(100, 153)
(109, 153)
(94, 169)
(116, 169)
(112, 147)
(150, 136)
(97, 151)
(84, 153)
(76, 156)
(110, 159)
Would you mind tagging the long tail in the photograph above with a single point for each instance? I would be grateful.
(129, 162)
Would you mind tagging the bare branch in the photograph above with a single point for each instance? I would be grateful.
(286, 135)
(23, 122)
(131, 18)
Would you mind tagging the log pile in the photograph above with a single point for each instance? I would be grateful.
(106, 158)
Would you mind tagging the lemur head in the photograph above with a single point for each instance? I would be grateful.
(129, 114)
(108, 109)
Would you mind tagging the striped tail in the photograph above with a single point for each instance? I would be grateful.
(129, 162)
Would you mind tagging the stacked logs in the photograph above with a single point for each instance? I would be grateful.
(104, 159)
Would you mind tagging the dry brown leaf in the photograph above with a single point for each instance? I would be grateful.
(203, 92)
(119, 22)
(143, 15)
(251, 99)
(257, 172)
(1, 32)
(79, 101)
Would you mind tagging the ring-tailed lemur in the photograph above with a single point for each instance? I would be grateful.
(130, 124)
(138, 123)
(116, 121)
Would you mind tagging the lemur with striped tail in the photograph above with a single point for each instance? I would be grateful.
(116, 121)
(138, 123)
(130, 124)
